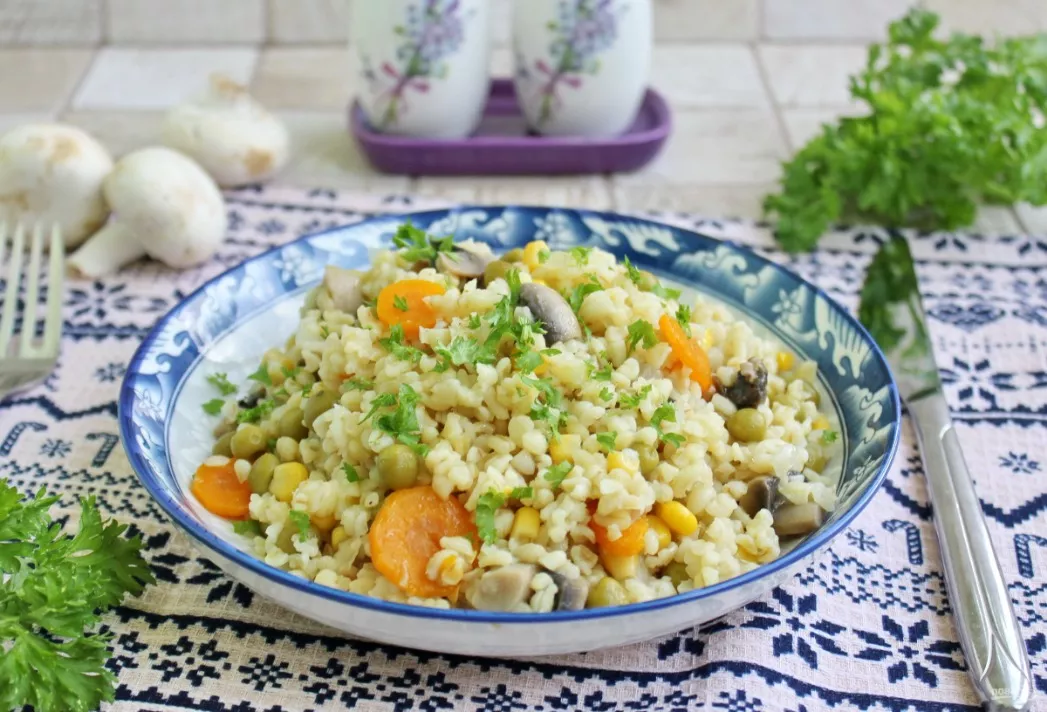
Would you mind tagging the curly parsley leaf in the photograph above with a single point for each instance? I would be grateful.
(665, 292)
(214, 406)
(528, 361)
(556, 474)
(357, 384)
(255, 414)
(486, 507)
(521, 493)
(221, 382)
(54, 589)
(397, 345)
(641, 332)
(402, 422)
(580, 255)
(890, 281)
(462, 351)
(350, 472)
(300, 520)
(583, 290)
(416, 245)
(633, 400)
(400, 303)
(829, 437)
(665, 413)
(248, 528)
(607, 440)
(603, 373)
(606, 394)
(262, 375)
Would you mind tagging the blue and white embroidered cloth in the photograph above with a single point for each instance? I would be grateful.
(865, 627)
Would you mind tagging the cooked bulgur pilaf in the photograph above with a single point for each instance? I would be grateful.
(542, 431)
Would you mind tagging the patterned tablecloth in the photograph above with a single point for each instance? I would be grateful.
(866, 626)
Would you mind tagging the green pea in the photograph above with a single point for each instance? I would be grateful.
(318, 404)
(291, 424)
(607, 592)
(649, 458)
(262, 473)
(647, 280)
(514, 255)
(398, 466)
(221, 446)
(247, 441)
(747, 425)
(285, 539)
(497, 269)
(677, 572)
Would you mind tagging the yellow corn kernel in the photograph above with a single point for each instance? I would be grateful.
(323, 522)
(661, 530)
(539, 281)
(677, 517)
(820, 423)
(286, 477)
(617, 461)
(707, 339)
(338, 535)
(619, 567)
(560, 449)
(785, 361)
(526, 523)
(543, 366)
(530, 255)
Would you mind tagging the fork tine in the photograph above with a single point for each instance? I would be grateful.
(10, 306)
(55, 271)
(32, 293)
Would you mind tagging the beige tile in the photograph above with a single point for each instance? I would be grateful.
(40, 79)
(9, 121)
(308, 21)
(501, 63)
(715, 201)
(1032, 218)
(50, 22)
(811, 75)
(706, 19)
(801, 125)
(119, 131)
(830, 19)
(1006, 17)
(996, 220)
(716, 147)
(305, 78)
(185, 21)
(573, 191)
(501, 22)
(324, 154)
(158, 78)
(708, 75)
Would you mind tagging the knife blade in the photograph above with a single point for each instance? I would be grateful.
(985, 622)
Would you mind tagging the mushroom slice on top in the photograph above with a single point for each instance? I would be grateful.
(462, 263)
(501, 589)
(762, 494)
(798, 519)
(344, 287)
(556, 315)
(570, 592)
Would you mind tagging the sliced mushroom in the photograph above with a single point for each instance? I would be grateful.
(553, 311)
(462, 263)
(251, 399)
(750, 387)
(344, 287)
(570, 592)
(762, 494)
(798, 519)
(501, 589)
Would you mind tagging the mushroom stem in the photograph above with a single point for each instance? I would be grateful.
(106, 251)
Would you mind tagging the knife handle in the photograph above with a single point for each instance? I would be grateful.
(988, 630)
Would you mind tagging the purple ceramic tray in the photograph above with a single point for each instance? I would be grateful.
(503, 146)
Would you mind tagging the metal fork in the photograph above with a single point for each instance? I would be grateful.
(31, 360)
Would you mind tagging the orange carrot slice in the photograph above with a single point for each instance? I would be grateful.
(630, 543)
(221, 492)
(406, 533)
(688, 352)
(404, 303)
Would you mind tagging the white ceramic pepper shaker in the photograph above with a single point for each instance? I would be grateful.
(581, 65)
(423, 64)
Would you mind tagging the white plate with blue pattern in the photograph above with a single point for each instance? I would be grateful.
(231, 320)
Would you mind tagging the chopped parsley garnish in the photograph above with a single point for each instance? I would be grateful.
(607, 440)
(633, 400)
(556, 474)
(396, 345)
(606, 394)
(301, 521)
(601, 374)
(521, 493)
(641, 332)
(400, 303)
(306, 390)
(547, 407)
(221, 382)
(290, 373)
(683, 316)
(830, 436)
(583, 290)
(270, 444)
(462, 351)
(665, 292)
(416, 245)
(261, 375)
(528, 361)
(401, 423)
(324, 331)
(580, 255)
(358, 384)
(543, 256)
(247, 527)
(214, 406)
(486, 506)
(667, 414)
(474, 321)
(634, 274)
(253, 415)
(350, 472)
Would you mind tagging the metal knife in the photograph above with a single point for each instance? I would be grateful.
(988, 630)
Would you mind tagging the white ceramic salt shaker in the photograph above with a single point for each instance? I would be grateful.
(581, 65)
(423, 64)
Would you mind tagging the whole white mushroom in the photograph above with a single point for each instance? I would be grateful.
(228, 133)
(52, 174)
(164, 206)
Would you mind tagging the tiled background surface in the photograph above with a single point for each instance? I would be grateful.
(748, 80)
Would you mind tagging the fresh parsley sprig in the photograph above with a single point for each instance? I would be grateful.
(665, 413)
(402, 421)
(416, 245)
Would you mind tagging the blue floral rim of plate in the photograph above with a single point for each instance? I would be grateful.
(802, 316)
